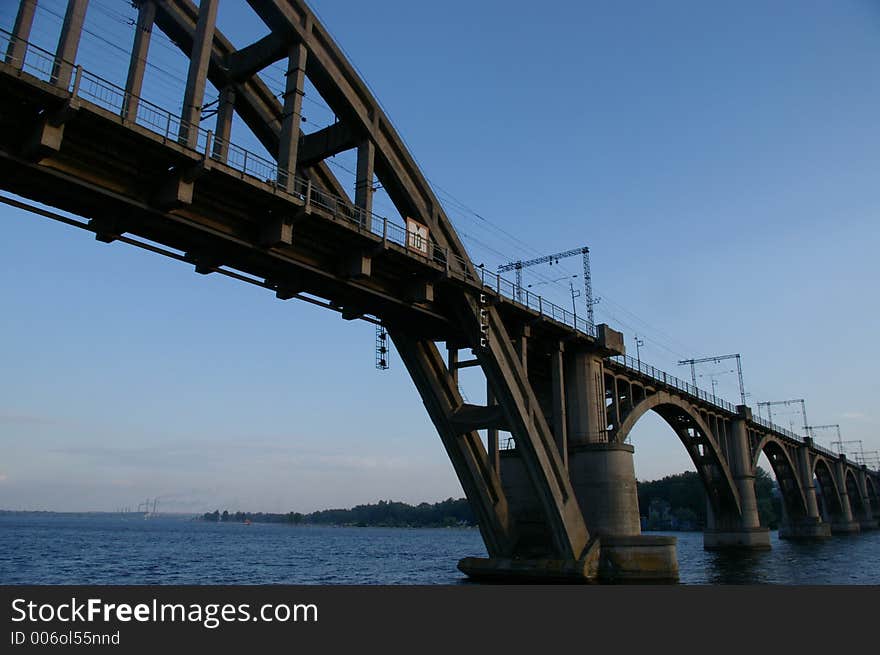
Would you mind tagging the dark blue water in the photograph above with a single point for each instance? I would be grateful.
(107, 549)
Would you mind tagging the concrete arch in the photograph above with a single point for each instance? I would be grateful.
(854, 492)
(698, 440)
(873, 499)
(823, 471)
(786, 472)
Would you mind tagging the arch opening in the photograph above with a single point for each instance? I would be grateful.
(786, 494)
(701, 447)
(828, 498)
(873, 498)
(854, 494)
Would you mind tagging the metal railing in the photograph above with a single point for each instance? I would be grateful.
(656, 374)
(760, 420)
(171, 127)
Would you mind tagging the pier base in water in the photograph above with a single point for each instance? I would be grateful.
(538, 570)
(743, 539)
(845, 527)
(634, 558)
(805, 530)
(638, 558)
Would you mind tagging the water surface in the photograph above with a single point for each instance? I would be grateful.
(109, 549)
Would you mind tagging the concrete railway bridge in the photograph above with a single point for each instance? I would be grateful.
(556, 500)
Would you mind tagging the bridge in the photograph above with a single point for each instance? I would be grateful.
(554, 501)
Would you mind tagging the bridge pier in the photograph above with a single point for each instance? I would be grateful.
(743, 531)
(868, 520)
(603, 477)
(810, 526)
(844, 523)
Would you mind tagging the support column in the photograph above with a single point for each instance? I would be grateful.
(68, 42)
(560, 422)
(743, 531)
(867, 521)
(521, 345)
(845, 523)
(223, 127)
(21, 32)
(492, 436)
(196, 78)
(363, 193)
(585, 388)
(138, 62)
(810, 526)
(294, 90)
(604, 480)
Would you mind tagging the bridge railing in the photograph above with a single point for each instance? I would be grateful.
(670, 380)
(113, 98)
(33, 59)
(760, 420)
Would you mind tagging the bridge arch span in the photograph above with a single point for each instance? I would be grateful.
(854, 493)
(831, 498)
(873, 499)
(698, 440)
(785, 470)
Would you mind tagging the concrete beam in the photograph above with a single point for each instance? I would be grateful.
(138, 62)
(200, 57)
(326, 142)
(21, 32)
(44, 141)
(277, 232)
(610, 340)
(585, 390)
(492, 436)
(255, 103)
(251, 59)
(223, 126)
(107, 229)
(560, 422)
(357, 266)
(339, 84)
(289, 287)
(420, 291)
(469, 418)
(173, 193)
(352, 312)
(452, 362)
(204, 264)
(363, 193)
(68, 42)
(291, 114)
(477, 477)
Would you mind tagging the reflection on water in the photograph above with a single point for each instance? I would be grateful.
(106, 549)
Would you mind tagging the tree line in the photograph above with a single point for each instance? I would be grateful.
(446, 513)
(676, 502)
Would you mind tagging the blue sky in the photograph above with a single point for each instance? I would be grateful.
(720, 159)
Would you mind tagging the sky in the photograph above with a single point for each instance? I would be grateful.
(720, 160)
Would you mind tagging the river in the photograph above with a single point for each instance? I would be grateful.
(110, 549)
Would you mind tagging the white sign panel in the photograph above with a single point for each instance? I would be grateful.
(416, 236)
